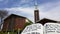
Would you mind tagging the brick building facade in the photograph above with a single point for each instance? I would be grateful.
(14, 22)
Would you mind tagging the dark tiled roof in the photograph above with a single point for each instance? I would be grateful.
(13, 15)
(45, 20)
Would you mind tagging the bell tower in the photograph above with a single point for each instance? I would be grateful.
(36, 12)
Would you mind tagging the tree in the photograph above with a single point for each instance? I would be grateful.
(3, 13)
(28, 23)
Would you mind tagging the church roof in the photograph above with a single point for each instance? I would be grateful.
(11, 15)
(45, 20)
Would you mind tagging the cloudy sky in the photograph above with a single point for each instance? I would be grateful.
(47, 8)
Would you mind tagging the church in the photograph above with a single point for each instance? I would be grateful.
(44, 20)
(42, 26)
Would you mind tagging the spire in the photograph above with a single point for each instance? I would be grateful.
(36, 5)
(36, 12)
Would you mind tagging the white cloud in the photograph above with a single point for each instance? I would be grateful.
(27, 12)
(26, 1)
(51, 11)
(47, 10)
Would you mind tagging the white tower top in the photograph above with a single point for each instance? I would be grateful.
(36, 5)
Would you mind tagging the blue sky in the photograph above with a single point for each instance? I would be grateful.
(22, 3)
(47, 8)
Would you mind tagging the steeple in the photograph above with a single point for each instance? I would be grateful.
(36, 5)
(36, 12)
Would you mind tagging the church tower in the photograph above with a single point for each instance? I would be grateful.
(36, 12)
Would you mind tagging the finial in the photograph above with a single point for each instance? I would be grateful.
(36, 5)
